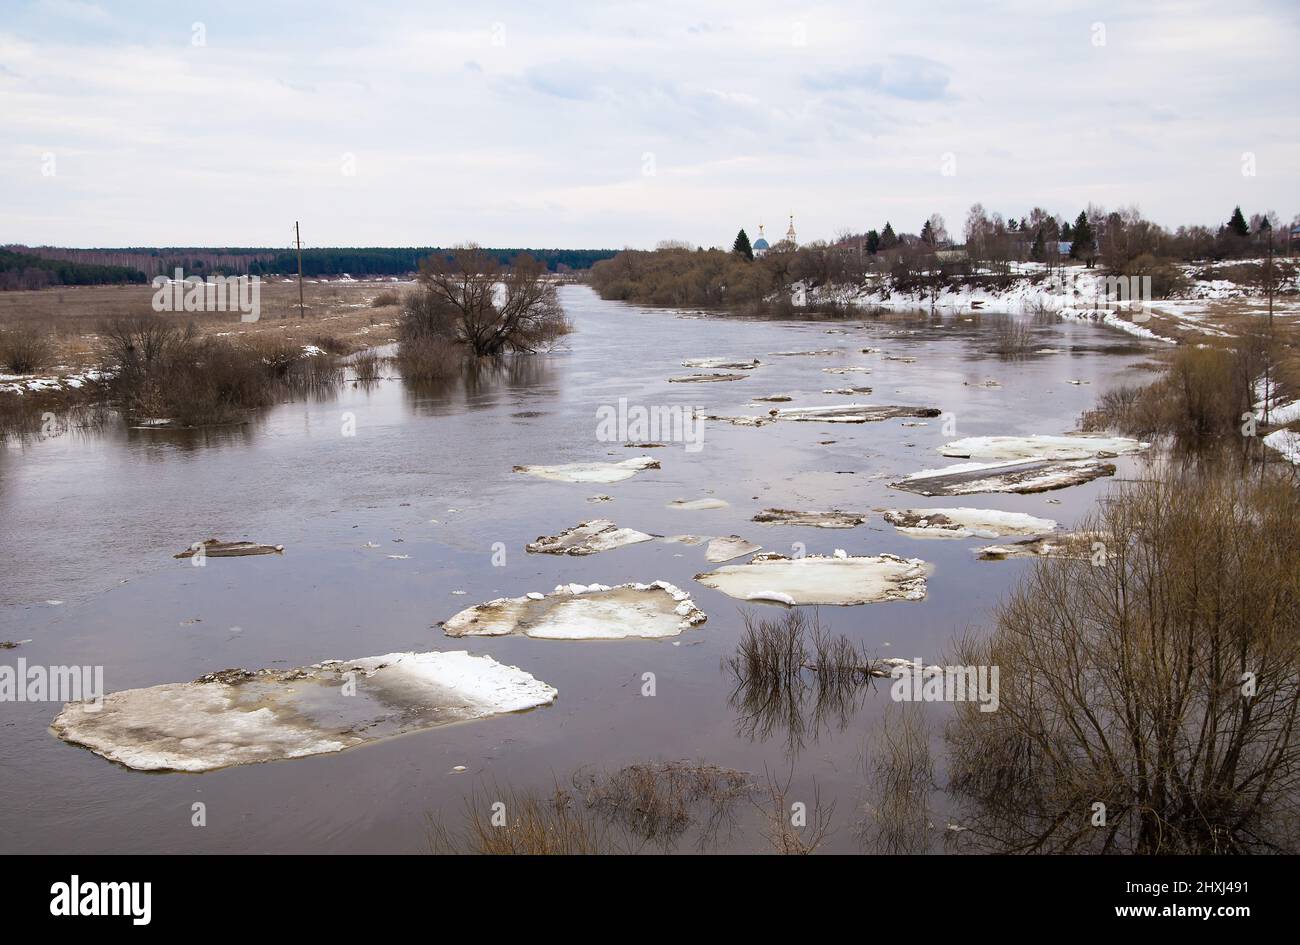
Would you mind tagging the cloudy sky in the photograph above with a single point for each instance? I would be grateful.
(622, 124)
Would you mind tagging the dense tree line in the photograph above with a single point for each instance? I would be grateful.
(328, 261)
(25, 271)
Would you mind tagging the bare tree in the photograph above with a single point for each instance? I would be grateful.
(493, 309)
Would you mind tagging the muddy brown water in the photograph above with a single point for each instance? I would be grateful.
(91, 521)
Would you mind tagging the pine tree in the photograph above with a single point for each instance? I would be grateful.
(741, 247)
(1237, 223)
(873, 242)
(887, 238)
(1082, 246)
(1066, 231)
(927, 234)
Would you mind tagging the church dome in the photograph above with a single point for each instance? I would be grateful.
(760, 243)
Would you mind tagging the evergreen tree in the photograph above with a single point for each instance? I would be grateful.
(873, 242)
(1237, 223)
(741, 247)
(1066, 231)
(1082, 246)
(887, 238)
(927, 234)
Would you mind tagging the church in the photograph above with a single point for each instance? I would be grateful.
(761, 245)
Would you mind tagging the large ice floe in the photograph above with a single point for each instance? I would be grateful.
(838, 579)
(591, 472)
(1019, 476)
(1038, 446)
(832, 518)
(237, 717)
(966, 523)
(705, 504)
(585, 538)
(852, 413)
(583, 612)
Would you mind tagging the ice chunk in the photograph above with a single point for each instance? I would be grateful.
(578, 612)
(1019, 476)
(731, 546)
(829, 519)
(966, 523)
(236, 717)
(821, 579)
(1081, 446)
(586, 538)
(591, 472)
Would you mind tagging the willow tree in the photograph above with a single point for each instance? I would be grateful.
(488, 307)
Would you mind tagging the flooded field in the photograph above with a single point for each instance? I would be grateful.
(399, 506)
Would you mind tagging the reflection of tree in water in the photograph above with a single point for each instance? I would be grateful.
(481, 378)
(793, 678)
(1149, 703)
(898, 771)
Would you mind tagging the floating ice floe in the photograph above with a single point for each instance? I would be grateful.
(966, 523)
(821, 352)
(1070, 545)
(725, 364)
(685, 539)
(1039, 446)
(587, 538)
(1019, 476)
(847, 391)
(705, 378)
(846, 370)
(852, 413)
(839, 579)
(236, 717)
(728, 547)
(829, 519)
(737, 421)
(216, 548)
(775, 398)
(698, 505)
(584, 612)
(591, 472)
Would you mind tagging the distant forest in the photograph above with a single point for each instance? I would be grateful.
(35, 267)
(22, 270)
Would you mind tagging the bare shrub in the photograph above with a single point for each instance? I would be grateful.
(794, 827)
(660, 801)
(367, 366)
(1162, 683)
(1012, 338)
(385, 298)
(509, 822)
(25, 350)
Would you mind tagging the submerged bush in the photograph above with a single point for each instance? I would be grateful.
(1162, 682)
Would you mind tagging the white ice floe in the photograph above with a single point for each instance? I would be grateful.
(840, 579)
(238, 717)
(852, 413)
(1040, 446)
(1019, 476)
(591, 472)
(698, 505)
(725, 364)
(728, 547)
(587, 538)
(966, 523)
(832, 518)
(584, 612)
(216, 548)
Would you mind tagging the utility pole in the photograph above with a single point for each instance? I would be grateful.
(297, 238)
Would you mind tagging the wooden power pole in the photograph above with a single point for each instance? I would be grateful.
(297, 238)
